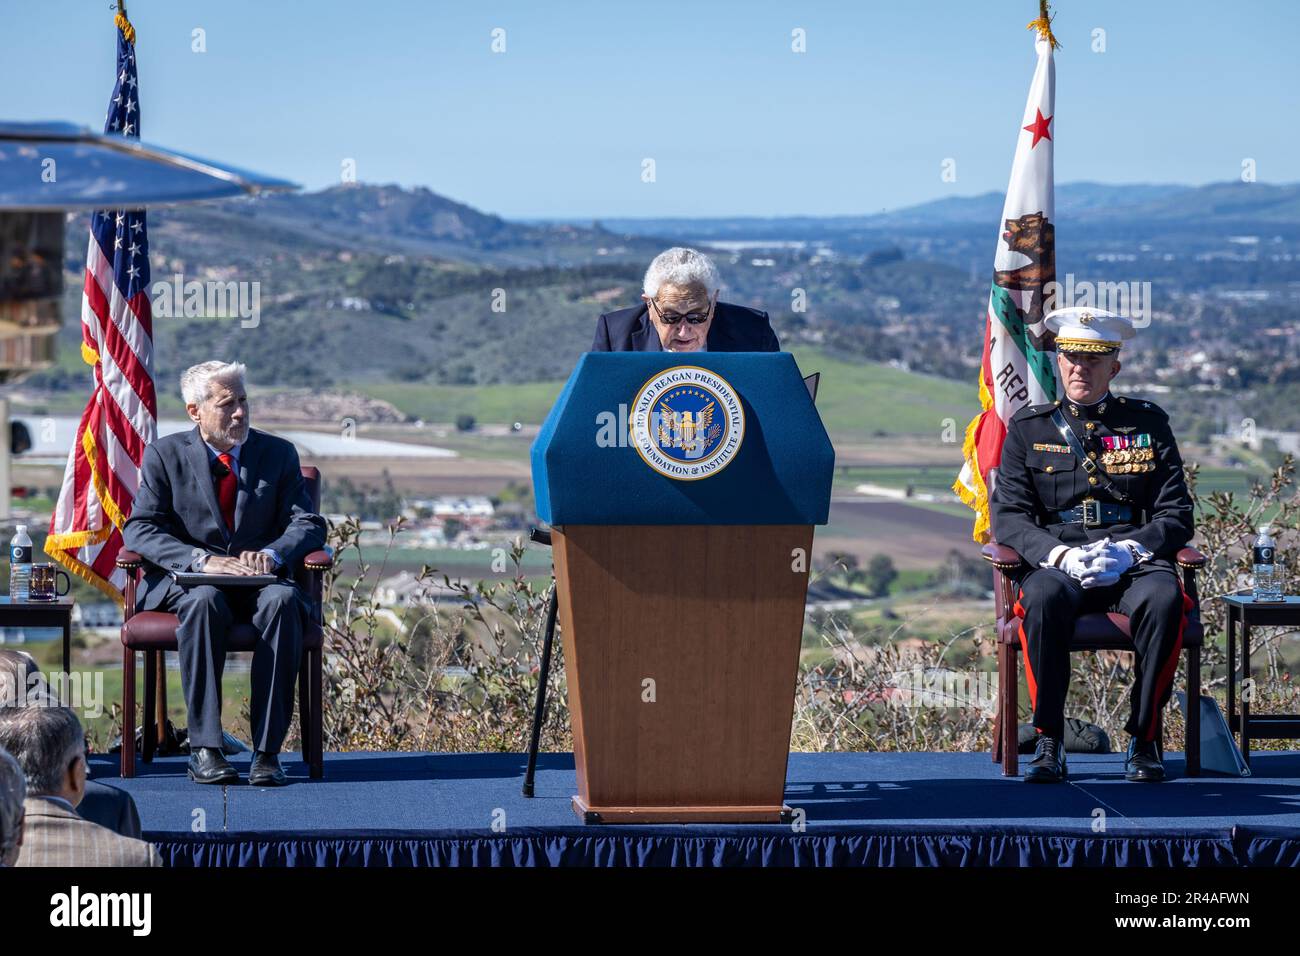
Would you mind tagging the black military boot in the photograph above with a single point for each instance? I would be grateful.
(1048, 765)
(1143, 764)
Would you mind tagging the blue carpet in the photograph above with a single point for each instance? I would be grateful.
(900, 809)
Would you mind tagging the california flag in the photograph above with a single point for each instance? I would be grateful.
(1018, 367)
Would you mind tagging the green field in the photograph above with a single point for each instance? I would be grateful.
(862, 400)
(526, 403)
(856, 400)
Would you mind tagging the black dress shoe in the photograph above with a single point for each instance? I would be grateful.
(265, 771)
(1143, 764)
(1048, 765)
(209, 765)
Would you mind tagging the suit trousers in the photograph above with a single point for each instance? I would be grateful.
(206, 614)
(1049, 605)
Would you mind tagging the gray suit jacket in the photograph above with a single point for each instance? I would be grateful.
(53, 835)
(175, 515)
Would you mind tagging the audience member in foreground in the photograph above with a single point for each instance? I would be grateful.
(50, 747)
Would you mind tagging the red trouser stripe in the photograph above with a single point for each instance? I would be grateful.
(1030, 681)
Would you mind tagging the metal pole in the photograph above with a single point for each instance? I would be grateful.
(539, 711)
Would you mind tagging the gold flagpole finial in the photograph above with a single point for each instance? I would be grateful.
(123, 23)
(1044, 25)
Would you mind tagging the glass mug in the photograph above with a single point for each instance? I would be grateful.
(44, 583)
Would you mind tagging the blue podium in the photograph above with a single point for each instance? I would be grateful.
(682, 491)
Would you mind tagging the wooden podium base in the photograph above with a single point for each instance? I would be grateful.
(774, 814)
(681, 646)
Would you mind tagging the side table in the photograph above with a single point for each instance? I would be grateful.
(1244, 612)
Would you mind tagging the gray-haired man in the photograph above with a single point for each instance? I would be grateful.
(50, 747)
(13, 791)
(226, 499)
(23, 685)
(680, 312)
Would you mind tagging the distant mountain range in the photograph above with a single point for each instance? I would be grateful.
(387, 219)
(391, 219)
(365, 284)
(1231, 205)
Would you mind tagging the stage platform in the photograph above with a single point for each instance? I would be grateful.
(864, 809)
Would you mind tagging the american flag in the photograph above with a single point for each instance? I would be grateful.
(121, 417)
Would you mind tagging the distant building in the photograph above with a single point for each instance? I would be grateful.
(405, 589)
(473, 511)
(97, 614)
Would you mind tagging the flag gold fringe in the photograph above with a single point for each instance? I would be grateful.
(124, 24)
(1044, 24)
(84, 571)
(57, 546)
(977, 500)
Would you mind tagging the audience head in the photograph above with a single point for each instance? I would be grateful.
(13, 791)
(20, 679)
(50, 747)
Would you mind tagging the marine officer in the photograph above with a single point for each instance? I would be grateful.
(1090, 491)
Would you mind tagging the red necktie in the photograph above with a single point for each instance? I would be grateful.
(227, 488)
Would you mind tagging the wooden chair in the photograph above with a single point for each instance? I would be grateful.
(1092, 632)
(154, 633)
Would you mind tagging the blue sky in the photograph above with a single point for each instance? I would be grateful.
(558, 125)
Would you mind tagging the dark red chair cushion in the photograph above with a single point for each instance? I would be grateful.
(1104, 632)
(156, 631)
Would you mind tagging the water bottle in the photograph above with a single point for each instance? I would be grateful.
(1268, 584)
(20, 565)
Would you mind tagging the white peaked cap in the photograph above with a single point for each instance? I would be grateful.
(1082, 329)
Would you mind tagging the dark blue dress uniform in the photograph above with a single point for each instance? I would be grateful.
(1046, 500)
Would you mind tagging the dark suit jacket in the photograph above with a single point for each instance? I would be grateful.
(735, 328)
(110, 807)
(175, 515)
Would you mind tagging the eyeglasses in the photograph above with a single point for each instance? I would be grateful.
(692, 318)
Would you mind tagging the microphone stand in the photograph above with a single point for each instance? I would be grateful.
(544, 672)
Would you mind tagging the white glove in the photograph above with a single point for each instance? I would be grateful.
(1117, 558)
(1077, 562)
(1108, 565)
(1100, 579)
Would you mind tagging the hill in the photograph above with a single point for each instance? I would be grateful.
(1078, 204)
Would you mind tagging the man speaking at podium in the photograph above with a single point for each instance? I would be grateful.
(226, 499)
(1090, 491)
(681, 313)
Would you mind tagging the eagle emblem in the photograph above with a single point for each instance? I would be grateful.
(687, 423)
(686, 430)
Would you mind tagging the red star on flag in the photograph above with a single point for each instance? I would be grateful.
(1039, 128)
